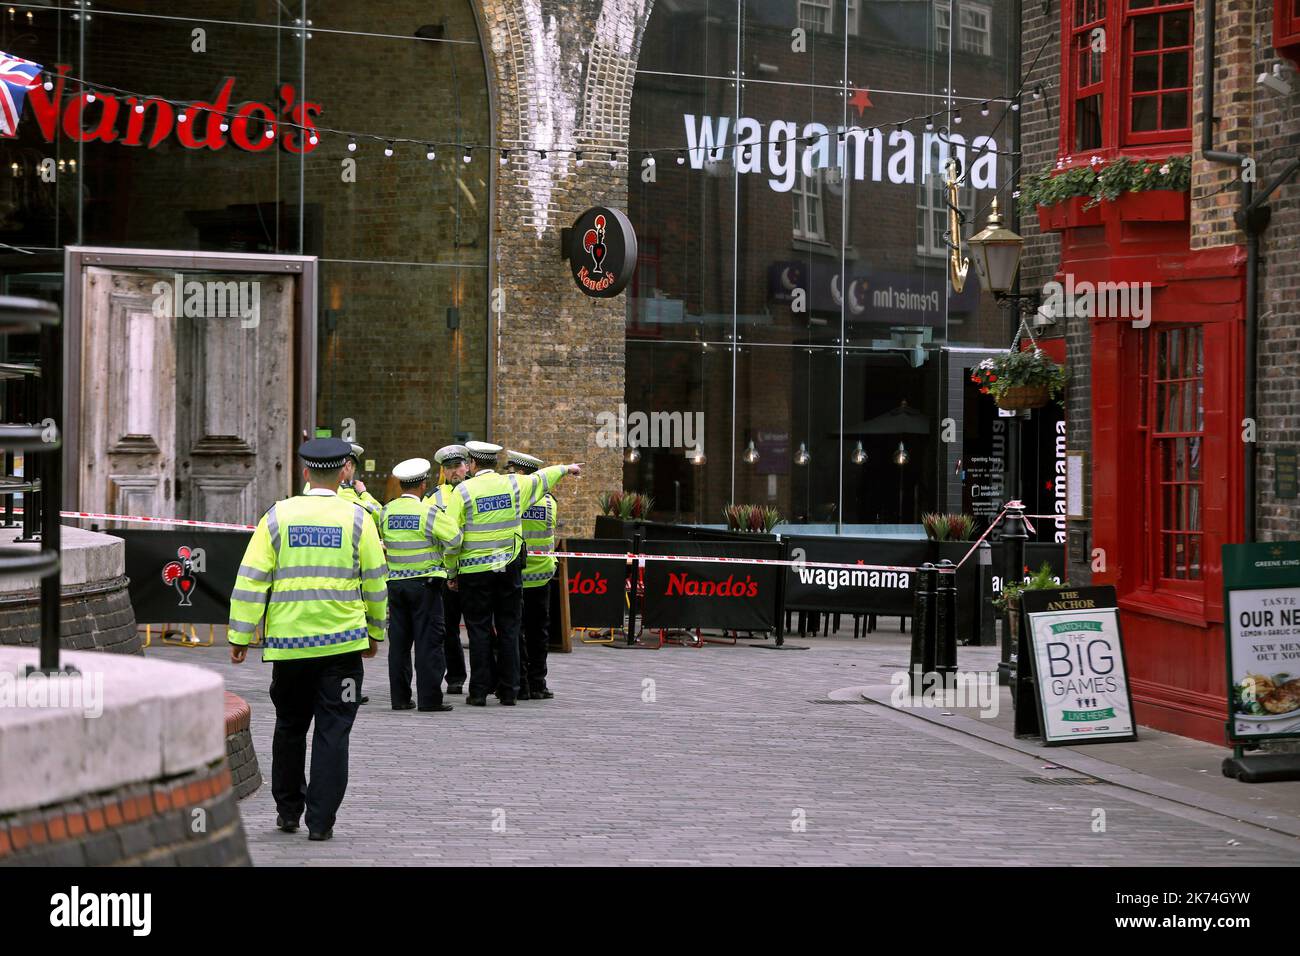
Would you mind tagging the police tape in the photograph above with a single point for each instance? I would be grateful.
(589, 555)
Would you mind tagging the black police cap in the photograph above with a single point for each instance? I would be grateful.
(325, 453)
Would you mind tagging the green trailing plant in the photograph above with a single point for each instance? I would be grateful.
(1101, 181)
(751, 518)
(1041, 580)
(948, 527)
(1033, 367)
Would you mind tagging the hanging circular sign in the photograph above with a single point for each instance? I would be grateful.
(602, 252)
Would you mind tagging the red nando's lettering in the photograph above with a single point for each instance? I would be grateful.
(113, 120)
(682, 583)
(590, 585)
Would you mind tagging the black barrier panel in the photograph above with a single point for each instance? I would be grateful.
(864, 591)
(182, 577)
(596, 585)
(736, 597)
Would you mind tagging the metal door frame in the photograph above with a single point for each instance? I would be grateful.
(76, 258)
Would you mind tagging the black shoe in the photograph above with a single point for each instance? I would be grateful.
(455, 688)
(507, 700)
(540, 695)
(409, 705)
(317, 837)
(288, 826)
(365, 699)
(440, 708)
(476, 701)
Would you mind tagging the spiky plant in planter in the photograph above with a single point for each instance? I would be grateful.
(948, 527)
(757, 519)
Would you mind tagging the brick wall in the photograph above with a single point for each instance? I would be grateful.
(563, 75)
(1277, 141)
(96, 621)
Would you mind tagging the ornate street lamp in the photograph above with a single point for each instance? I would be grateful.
(997, 252)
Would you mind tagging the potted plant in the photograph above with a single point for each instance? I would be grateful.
(948, 527)
(753, 519)
(1009, 600)
(1018, 380)
(620, 510)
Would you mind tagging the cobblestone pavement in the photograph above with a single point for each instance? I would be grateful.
(720, 755)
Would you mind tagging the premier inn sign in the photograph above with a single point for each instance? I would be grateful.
(898, 157)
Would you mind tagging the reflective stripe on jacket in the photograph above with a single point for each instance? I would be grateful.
(483, 518)
(315, 567)
(413, 551)
(538, 523)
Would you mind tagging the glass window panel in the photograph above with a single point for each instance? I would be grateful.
(1146, 72)
(1174, 110)
(1177, 28)
(1143, 114)
(1146, 33)
(1087, 123)
(1139, 4)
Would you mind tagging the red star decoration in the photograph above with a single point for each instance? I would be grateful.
(860, 99)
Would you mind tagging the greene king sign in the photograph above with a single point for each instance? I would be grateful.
(892, 155)
(131, 121)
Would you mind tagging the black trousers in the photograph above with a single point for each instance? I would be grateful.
(452, 652)
(534, 638)
(328, 691)
(415, 622)
(491, 601)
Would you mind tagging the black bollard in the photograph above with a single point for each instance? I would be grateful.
(985, 634)
(923, 613)
(1014, 537)
(945, 645)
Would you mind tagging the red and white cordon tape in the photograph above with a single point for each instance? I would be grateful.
(641, 559)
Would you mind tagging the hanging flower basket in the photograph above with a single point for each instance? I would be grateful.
(1019, 397)
(1019, 380)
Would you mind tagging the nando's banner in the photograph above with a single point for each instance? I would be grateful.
(596, 585)
(182, 577)
(686, 594)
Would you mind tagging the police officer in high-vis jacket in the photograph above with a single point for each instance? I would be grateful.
(454, 461)
(485, 556)
(538, 523)
(315, 568)
(415, 576)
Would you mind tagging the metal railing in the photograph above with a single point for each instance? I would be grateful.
(34, 396)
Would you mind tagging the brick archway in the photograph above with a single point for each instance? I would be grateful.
(562, 75)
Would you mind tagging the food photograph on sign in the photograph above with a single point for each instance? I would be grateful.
(1265, 633)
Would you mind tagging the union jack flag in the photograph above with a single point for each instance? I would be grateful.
(17, 76)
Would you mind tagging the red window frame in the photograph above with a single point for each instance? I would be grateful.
(1121, 20)
(1286, 29)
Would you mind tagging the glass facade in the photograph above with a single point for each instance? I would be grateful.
(793, 292)
(401, 240)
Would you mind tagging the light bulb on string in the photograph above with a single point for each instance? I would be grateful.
(984, 109)
(632, 455)
(224, 127)
(681, 157)
(505, 156)
(541, 154)
(352, 145)
(613, 159)
(139, 107)
(801, 457)
(649, 159)
(577, 159)
(901, 457)
(1038, 91)
(466, 157)
(313, 139)
(929, 123)
(750, 456)
(430, 154)
(182, 116)
(48, 84)
(1015, 107)
(388, 149)
(270, 132)
(858, 455)
(956, 117)
(90, 96)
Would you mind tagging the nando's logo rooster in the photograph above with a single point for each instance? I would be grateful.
(180, 575)
(602, 252)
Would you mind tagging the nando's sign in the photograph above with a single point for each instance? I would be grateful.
(602, 252)
(90, 117)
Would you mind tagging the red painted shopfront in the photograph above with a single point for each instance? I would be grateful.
(1166, 394)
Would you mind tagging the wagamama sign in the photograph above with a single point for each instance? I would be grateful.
(886, 155)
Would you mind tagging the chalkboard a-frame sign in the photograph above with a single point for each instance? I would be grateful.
(1072, 669)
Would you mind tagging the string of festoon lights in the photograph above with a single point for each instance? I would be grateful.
(313, 133)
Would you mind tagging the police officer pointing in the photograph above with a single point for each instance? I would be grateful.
(484, 556)
(538, 524)
(315, 568)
